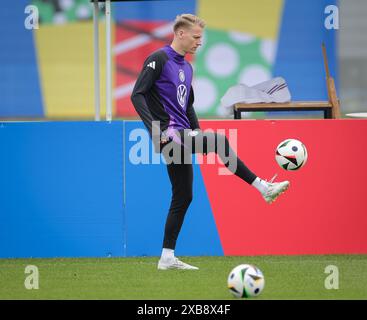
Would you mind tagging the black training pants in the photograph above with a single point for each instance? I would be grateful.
(180, 172)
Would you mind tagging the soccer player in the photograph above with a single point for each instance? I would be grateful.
(163, 97)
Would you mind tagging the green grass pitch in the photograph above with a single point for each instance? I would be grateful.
(286, 277)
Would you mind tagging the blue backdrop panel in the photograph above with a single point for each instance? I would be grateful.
(299, 56)
(19, 78)
(61, 190)
(152, 10)
(148, 196)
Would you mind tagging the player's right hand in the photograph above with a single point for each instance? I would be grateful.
(165, 139)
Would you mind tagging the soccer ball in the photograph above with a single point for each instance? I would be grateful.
(246, 281)
(291, 154)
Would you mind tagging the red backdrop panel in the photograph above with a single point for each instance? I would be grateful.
(325, 209)
(134, 42)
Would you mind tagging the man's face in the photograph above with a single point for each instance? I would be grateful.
(190, 38)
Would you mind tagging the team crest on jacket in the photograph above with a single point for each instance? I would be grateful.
(181, 94)
(181, 75)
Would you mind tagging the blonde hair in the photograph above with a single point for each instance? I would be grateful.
(187, 20)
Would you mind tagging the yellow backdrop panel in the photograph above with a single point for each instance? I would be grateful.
(260, 18)
(66, 65)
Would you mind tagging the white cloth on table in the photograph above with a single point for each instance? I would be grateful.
(274, 90)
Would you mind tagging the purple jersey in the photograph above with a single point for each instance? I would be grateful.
(163, 91)
(174, 86)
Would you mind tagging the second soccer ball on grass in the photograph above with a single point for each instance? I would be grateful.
(246, 281)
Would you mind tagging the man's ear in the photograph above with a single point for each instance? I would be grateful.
(180, 32)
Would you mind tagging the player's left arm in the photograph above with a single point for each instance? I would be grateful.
(190, 112)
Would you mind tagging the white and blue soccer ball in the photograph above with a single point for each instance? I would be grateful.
(291, 154)
(246, 281)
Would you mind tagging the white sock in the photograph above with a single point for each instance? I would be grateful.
(167, 254)
(260, 185)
